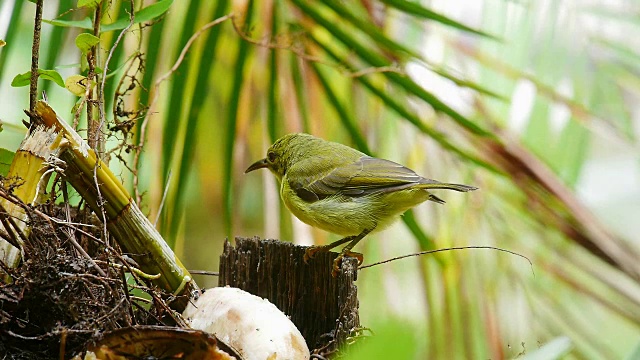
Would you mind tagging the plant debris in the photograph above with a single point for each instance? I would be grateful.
(71, 286)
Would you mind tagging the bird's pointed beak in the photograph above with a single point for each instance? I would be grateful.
(260, 164)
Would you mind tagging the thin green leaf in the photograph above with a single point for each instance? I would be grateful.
(86, 41)
(12, 32)
(229, 141)
(52, 75)
(368, 27)
(25, 78)
(152, 41)
(118, 24)
(153, 11)
(68, 66)
(197, 103)
(453, 315)
(415, 89)
(417, 10)
(380, 39)
(82, 24)
(538, 132)
(88, 3)
(573, 142)
(436, 325)
(272, 92)
(173, 125)
(148, 13)
(6, 158)
(468, 84)
(378, 60)
(391, 101)
(300, 92)
(571, 152)
(609, 97)
(153, 37)
(21, 80)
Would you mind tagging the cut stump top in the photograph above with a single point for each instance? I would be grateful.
(323, 308)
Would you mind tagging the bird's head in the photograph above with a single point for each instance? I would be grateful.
(285, 152)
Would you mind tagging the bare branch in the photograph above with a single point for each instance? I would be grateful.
(35, 53)
(106, 65)
(94, 133)
(449, 249)
(299, 51)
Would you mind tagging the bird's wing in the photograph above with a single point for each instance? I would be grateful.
(364, 176)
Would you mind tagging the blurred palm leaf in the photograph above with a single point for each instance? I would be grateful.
(359, 72)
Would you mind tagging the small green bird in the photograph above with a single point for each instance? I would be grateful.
(342, 190)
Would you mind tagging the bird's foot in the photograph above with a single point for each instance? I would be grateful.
(311, 252)
(338, 261)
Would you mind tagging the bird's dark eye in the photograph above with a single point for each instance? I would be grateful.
(271, 156)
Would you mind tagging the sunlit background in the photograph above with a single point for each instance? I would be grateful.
(555, 80)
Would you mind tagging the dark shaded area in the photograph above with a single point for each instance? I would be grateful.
(161, 342)
(60, 298)
(323, 308)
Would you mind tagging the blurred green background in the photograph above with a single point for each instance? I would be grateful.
(534, 102)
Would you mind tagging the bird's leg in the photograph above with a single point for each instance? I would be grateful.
(346, 251)
(312, 250)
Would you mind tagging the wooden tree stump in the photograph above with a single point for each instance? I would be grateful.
(324, 308)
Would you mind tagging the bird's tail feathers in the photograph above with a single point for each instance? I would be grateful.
(436, 199)
(444, 186)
